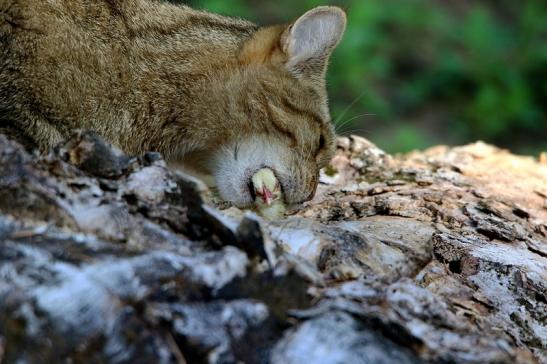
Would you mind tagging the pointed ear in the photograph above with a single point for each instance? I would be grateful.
(310, 40)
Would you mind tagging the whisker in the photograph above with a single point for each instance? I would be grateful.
(345, 123)
(349, 106)
(353, 131)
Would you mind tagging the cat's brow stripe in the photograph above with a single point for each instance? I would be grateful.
(288, 105)
(295, 110)
(276, 124)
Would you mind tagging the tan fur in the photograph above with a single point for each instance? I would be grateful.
(148, 75)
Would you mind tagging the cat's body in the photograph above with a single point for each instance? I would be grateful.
(218, 94)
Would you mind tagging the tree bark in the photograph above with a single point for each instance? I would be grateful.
(437, 256)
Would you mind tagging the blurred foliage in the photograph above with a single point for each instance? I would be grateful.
(412, 73)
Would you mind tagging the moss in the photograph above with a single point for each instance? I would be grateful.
(330, 171)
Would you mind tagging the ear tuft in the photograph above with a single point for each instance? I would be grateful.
(263, 47)
(310, 40)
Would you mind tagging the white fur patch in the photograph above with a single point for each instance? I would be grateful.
(235, 164)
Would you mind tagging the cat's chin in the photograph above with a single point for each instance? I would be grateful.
(237, 193)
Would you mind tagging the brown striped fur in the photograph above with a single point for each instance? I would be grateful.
(149, 75)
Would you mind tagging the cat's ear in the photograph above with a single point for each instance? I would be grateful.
(309, 41)
(303, 47)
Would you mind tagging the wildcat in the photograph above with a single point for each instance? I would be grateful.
(218, 95)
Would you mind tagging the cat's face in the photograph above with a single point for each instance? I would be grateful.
(278, 104)
(286, 128)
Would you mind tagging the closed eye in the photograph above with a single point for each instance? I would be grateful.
(321, 142)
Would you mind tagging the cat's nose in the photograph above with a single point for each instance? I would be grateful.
(314, 182)
(303, 190)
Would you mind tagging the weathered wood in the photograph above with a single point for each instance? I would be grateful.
(432, 257)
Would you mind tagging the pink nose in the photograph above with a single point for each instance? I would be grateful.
(266, 195)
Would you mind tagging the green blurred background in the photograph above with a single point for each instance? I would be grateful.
(414, 73)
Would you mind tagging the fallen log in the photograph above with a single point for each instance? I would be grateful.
(437, 256)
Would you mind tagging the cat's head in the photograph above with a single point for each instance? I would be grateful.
(279, 96)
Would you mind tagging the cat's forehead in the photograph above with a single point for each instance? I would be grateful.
(305, 94)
